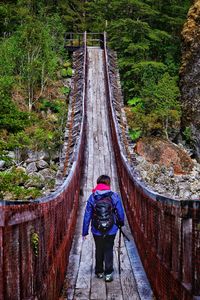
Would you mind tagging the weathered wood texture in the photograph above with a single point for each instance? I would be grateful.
(81, 282)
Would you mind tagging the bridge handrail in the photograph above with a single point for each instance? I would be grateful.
(35, 238)
(75, 40)
(169, 229)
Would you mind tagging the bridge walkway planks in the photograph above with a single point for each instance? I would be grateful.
(80, 282)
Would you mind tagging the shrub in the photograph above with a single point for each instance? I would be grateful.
(157, 110)
(12, 183)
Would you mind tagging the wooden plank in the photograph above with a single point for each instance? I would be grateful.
(129, 287)
(128, 283)
(114, 290)
(82, 294)
(143, 286)
(100, 104)
(96, 79)
(85, 266)
(70, 281)
(90, 129)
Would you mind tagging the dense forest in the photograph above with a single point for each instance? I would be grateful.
(35, 68)
(146, 36)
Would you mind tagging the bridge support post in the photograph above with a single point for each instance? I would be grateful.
(1, 264)
(187, 252)
(196, 256)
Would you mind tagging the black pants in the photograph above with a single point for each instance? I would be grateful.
(104, 253)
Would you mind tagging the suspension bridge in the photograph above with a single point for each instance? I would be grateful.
(42, 255)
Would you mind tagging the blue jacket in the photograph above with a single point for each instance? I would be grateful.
(90, 208)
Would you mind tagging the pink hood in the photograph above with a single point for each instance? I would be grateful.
(101, 187)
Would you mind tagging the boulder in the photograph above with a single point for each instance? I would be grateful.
(195, 186)
(31, 168)
(32, 156)
(47, 173)
(2, 164)
(55, 157)
(163, 152)
(67, 82)
(36, 155)
(42, 164)
(11, 154)
(21, 169)
(36, 180)
(8, 196)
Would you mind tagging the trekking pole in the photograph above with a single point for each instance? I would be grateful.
(119, 250)
(124, 234)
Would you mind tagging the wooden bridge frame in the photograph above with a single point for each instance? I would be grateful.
(166, 231)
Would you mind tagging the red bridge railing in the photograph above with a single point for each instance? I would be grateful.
(35, 238)
(166, 231)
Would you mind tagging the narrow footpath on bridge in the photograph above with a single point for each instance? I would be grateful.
(81, 282)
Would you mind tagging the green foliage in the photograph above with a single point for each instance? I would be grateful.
(38, 62)
(187, 133)
(135, 134)
(35, 243)
(143, 73)
(134, 101)
(15, 176)
(30, 45)
(69, 72)
(41, 139)
(30, 54)
(66, 72)
(9, 50)
(157, 110)
(3, 152)
(54, 105)
(65, 90)
(146, 35)
(11, 182)
(67, 64)
(63, 72)
(20, 141)
(11, 118)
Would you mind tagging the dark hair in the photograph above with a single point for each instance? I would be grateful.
(103, 179)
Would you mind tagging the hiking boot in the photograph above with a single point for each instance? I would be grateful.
(99, 275)
(109, 277)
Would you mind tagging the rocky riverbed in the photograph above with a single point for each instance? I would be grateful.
(163, 180)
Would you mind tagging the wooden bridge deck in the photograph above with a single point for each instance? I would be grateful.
(81, 282)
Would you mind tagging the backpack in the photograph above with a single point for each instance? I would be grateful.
(103, 215)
